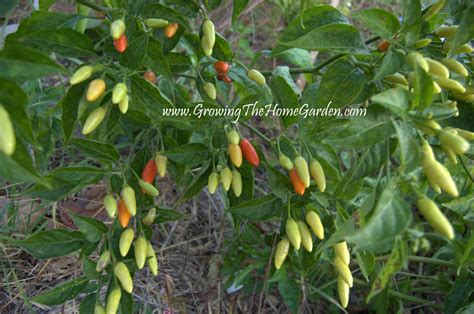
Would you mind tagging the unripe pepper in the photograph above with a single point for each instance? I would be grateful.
(342, 251)
(383, 45)
(293, 233)
(205, 46)
(422, 43)
(125, 242)
(123, 214)
(416, 58)
(343, 291)
(233, 137)
(466, 48)
(285, 161)
(140, 252)
(464, 97)
(455, 66)
(123, 104)
(210, 90)
(281, 252)
(436, 88)
(113, 301)
(150, 76)
(213, 182)
(121, 44)
(226, 178)
(249, 153)
(117, 28)
(103, 261)
(306, 238)
(82, 74)
(95, 89)
(209, 32)
(435, 217)
(433, 10)
(396, 78)
(437, 68)
(99, 309)
(93, 120)
(148, 188)
(446, 31)
(256, 76)
(235, 154)
(236, 183)
(221, 67)
(119, 92)
(150, 171)
(439, 176)
(171, 29)
(150, 217)
(156, 23)
(343, 270)
(128, 196)
(161, 164)
(151, 258)
(318, 175)
(123, 275)
(298, 185)
(449, 84)
(315, 223)
(430, 127)
(468, 135)
(110, 205)
(302, 169)
(449, 139)
(7, 133)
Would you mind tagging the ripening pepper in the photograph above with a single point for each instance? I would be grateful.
(123, 214)
(343, 291)
(156, 23)
(342, 251)
(249, 153)
(343, 270)
(128, 196)
(213, 182)
(7, 134)
(235, 154)
(209, 32)
(151, 258)
(233, 137)
(285, 161)
(313, 220)
(113, 301)
(171, 29)
(293, 233)
(123, 104)
(125, 242)
(226, 178)
(435, 217)
(121, 44)
(148, 188)
(95, 89)
(449, 139)
(150, 217)
(446, 31)
(82, 74)
(93, 120)
(256, 76)
(281, 252)
(110, 205)
(433, 10)
(161, 164)
(455, 66)
(103, 261)
(150, 76)
(119, 92)
(140, 252)
(298, 185)
(306, 238)
(99, 309)
(210, 90)
(414, 58)
(150, 171)
(318, 175)
(123, 275)
(437, 68)
(221, 67)
(302, 169)
(383, 45)
(236, 183)
(117, 28)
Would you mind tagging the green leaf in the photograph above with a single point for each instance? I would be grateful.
(88, 304)
(156, 10)
(422, 89)
(239, 6)
(394, 99)
(341, 233)
(222, 49)
(96, 149)
(341, 84)
(465, 32)
(60, 294)
(51, 243)
(136, 51)
(260, 208)
(77, 174)
(408, 146)
(411, 16)
(70, 109)
(46, 4)
(195, 182)
(66, 42)
(392, 62)
(379, 21)
(463, 205)
(285, 92)
(366, 261)
(178, 62)
(290, 291)
(6, 7)
(391, 217)
(297, 56)
(22, 63)
(459, 294)
(91, 228)
(245, 272)
(155, 60)
(188, 154)
(167, 214)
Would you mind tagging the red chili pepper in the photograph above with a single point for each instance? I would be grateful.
(121, 43)
(249, 153)
(149, 172)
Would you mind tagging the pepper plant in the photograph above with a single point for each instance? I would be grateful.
(373, 209)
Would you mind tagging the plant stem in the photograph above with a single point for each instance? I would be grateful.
(93, 6)
(421, 259)
(262, 136)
